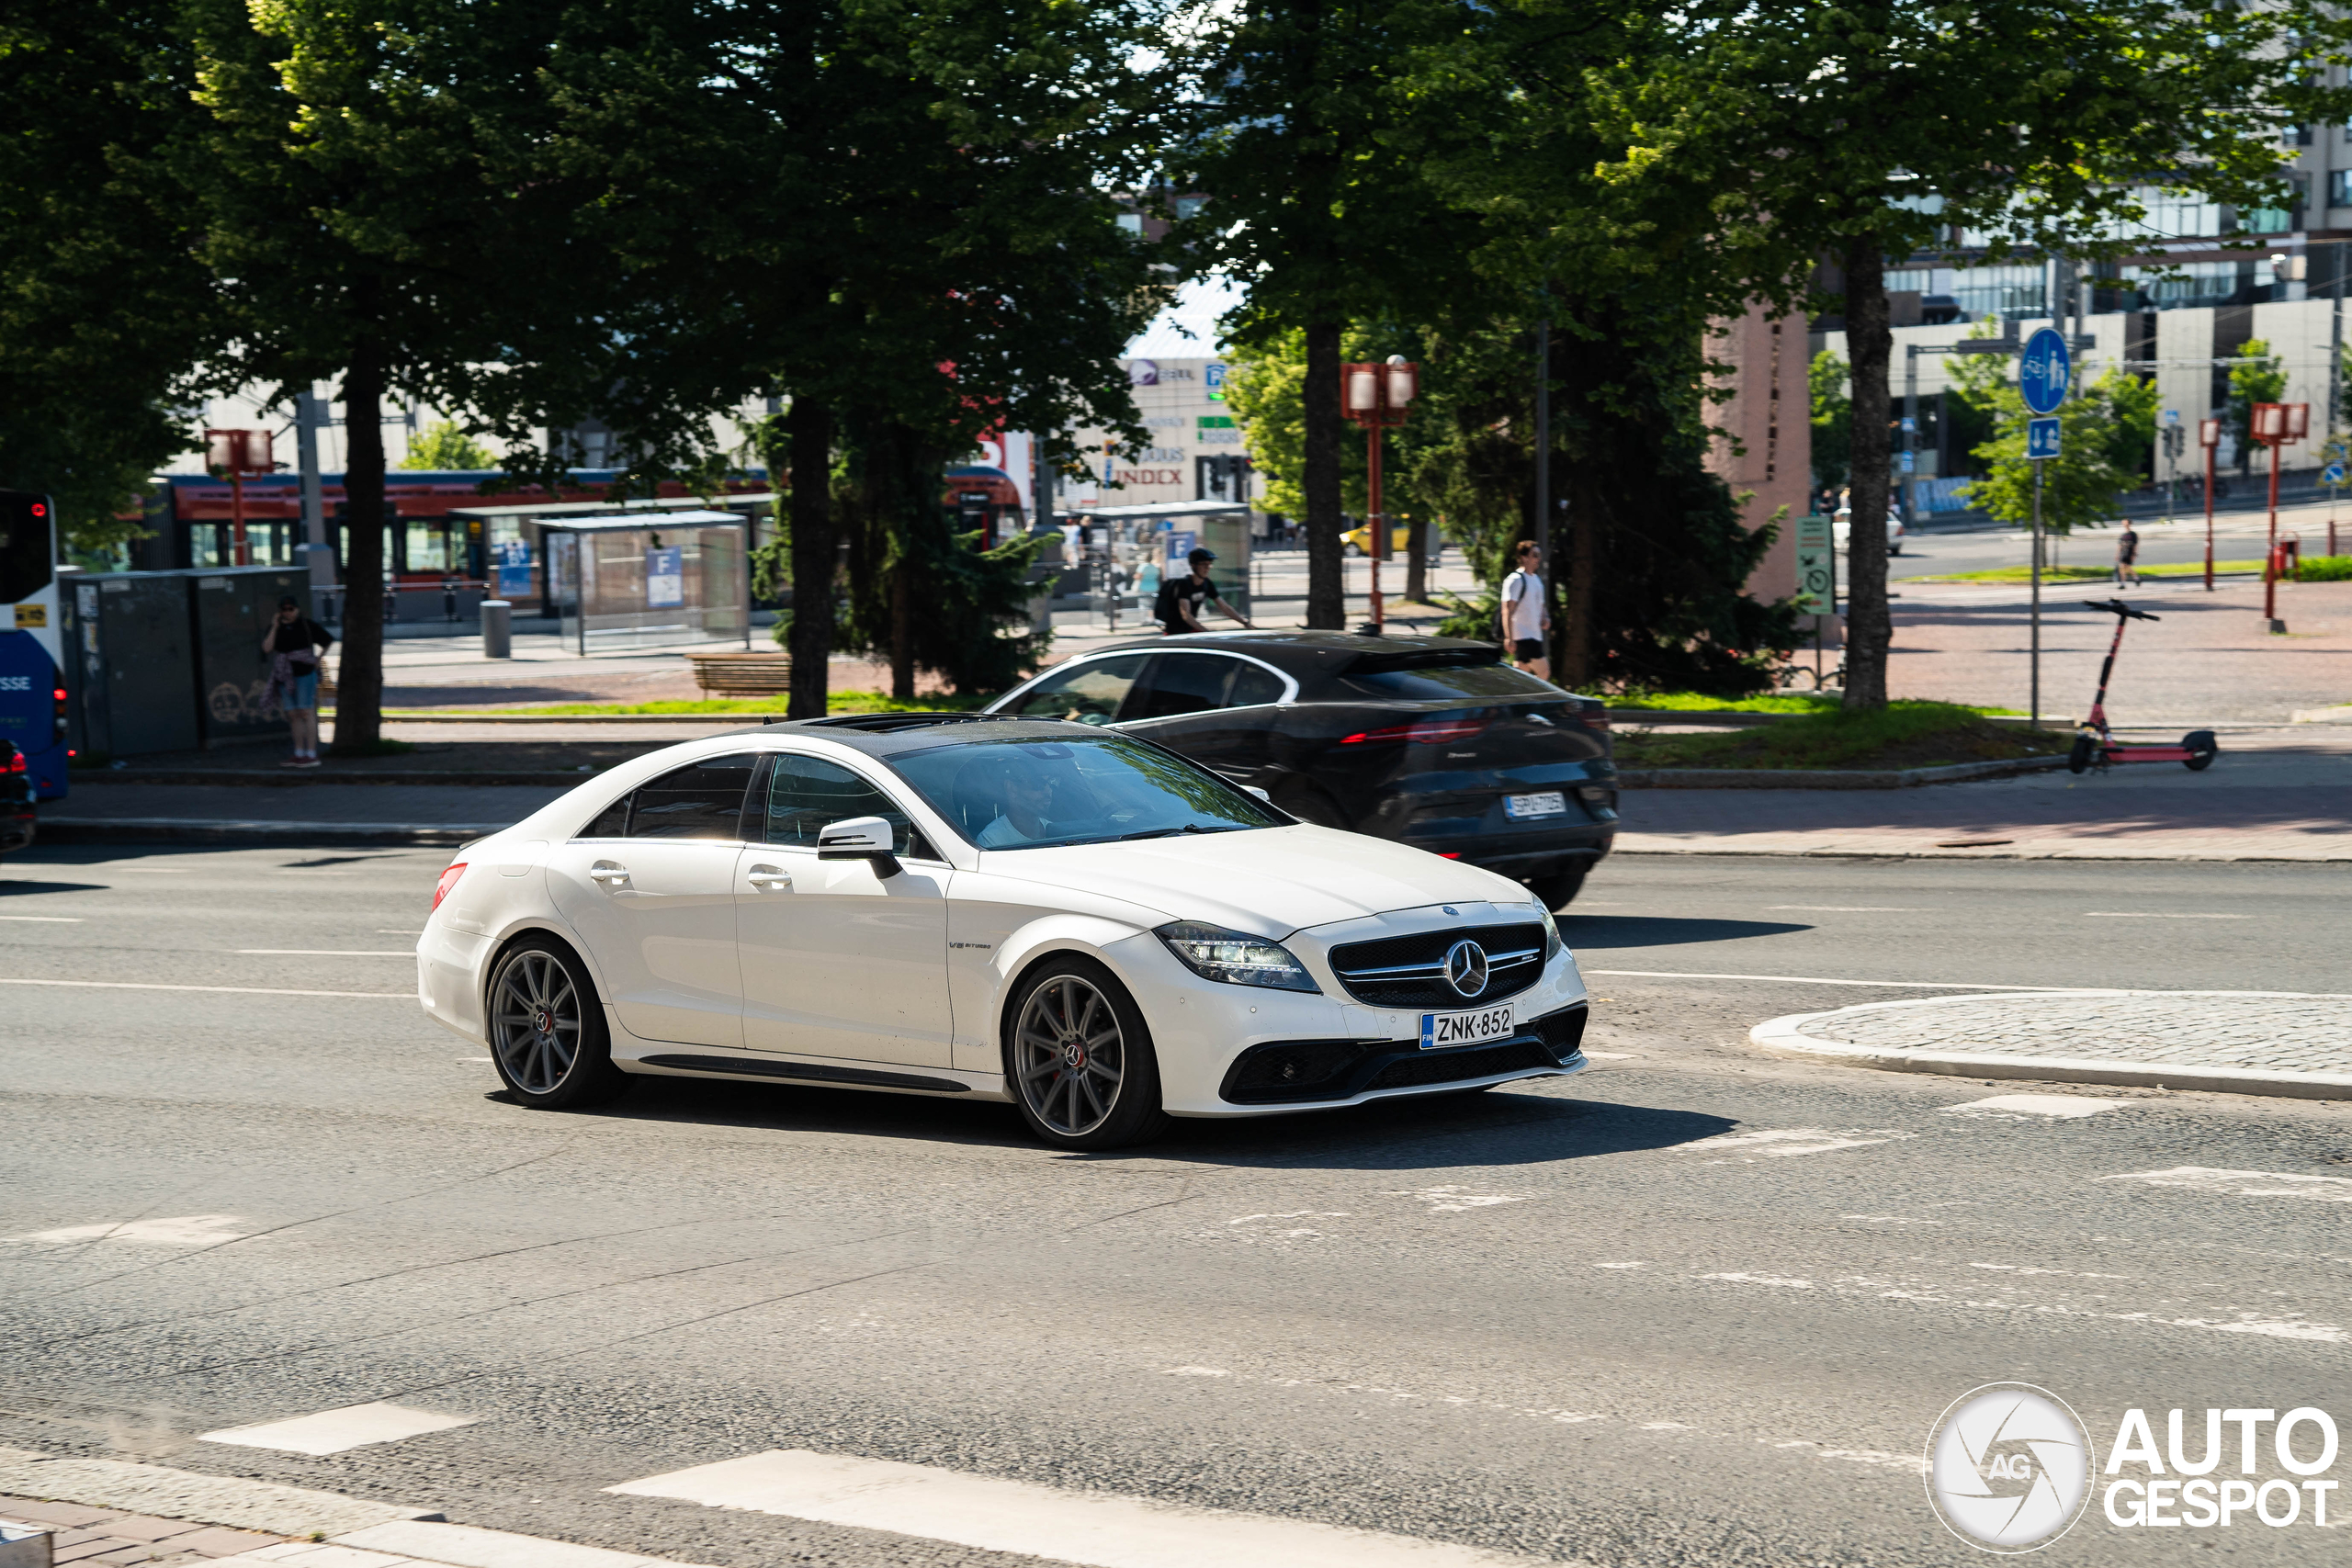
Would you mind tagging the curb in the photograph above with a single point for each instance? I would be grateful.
(168, 830)
(1786, 1037)
(1829, 778)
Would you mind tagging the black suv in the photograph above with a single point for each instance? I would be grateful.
(1431, 740)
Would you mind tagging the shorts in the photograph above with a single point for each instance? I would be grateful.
(1526, 651)
(305, 693)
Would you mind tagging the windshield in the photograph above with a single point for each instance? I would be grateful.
(1447, 682)
(1025, 794)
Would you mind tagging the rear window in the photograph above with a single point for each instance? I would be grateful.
(1448, 681)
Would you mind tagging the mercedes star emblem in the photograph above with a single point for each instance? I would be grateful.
(1466, 968)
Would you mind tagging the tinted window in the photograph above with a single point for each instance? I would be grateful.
(1088, 694)
(1252, 685)
(701, 800)
(25, 567)
(1185, 682)
(806, 793)
(1027, 793)
(1453, 680)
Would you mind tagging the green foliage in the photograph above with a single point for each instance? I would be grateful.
(445, 446)
(1833, 420)
(2082, 482)
(2259, 378)
(2325, 569)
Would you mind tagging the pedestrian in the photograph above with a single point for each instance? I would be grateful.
(2127, 553)
(1177, 609)
(1527, 614)
(294, 642)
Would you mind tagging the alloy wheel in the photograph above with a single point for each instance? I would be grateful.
(1070, 1056)
(536, 1018)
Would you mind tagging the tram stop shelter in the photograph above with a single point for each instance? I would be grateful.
(649, 580)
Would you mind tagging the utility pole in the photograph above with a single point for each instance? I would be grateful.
(310, 416)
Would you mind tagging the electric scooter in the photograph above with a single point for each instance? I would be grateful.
(2096, 746)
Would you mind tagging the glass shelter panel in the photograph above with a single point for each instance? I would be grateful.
(651, 585)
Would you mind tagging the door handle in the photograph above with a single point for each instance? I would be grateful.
(770, 879)
(609, 875)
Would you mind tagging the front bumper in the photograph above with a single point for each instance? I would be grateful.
(1297, 1073)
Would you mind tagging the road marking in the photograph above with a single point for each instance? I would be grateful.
(187, 1230)
(333, 1431)
(1453, 1200)
(1780, 1143)
(1889, 1219)
(1102, 1529)
(228, 990)
(1610, 1055)
(46, 919)
(329, 952)
(394, 930)
(1851, 908)
(1827, 980)
(2154, 914)
(1737, 1278)
(2245, 1183)
(2037, 1105)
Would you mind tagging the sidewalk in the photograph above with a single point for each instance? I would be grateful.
(2233, 1042)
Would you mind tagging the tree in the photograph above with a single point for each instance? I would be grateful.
(1870, 130)
(2082, 484)
(1833, 420)
(446, 448)
(2257, 378)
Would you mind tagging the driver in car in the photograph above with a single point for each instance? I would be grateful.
(1023, 795)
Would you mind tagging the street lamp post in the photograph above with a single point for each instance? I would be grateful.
(2209, 435)
(2276, 424)
(1377, 395)
(241, 454)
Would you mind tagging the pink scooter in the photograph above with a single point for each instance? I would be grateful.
(2096, 746)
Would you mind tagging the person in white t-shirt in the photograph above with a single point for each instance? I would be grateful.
(1527, 614)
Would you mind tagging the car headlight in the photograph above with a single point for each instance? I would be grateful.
(1552, 942)
(1236, 958)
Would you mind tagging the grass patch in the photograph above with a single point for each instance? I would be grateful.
(1700, 702)
(1901, 735)
(690, 707)
(2087, 573)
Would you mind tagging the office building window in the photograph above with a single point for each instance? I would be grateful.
(2339, 188)
(1999, 291)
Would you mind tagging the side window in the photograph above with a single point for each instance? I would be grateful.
(805, 793)
(1252, 686)
(612, 822)
(1089, 693)
(701, 800)
(1186, 683)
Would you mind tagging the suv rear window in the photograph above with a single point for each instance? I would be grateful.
(1450, 681)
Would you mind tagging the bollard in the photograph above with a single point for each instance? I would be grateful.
(497, 628)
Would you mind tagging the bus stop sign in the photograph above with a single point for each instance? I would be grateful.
(2044, 371)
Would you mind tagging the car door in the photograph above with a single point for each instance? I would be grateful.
(838, 960)
(1214, 708)
(1087, 690)
(650, 888)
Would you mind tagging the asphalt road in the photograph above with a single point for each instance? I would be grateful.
(1938, 550)
(1556, 1322)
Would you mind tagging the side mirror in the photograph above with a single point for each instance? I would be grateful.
(859, 838)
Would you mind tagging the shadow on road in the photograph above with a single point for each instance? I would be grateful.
(1662, 930)
(15, 887)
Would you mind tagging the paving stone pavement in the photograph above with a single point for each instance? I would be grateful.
(86, 1535)
(2283, 1033)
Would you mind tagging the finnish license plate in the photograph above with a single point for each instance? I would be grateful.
(1546, 803)
(1440, 1029)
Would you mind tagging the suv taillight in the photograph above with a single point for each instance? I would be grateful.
(1597, 717)
(448, 880)
(1420, 732)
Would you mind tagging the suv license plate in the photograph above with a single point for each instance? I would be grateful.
(1440, 1029)
(1550, 803)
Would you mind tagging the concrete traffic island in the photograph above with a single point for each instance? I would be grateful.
(2232, 1041)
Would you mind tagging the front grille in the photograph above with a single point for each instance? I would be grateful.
(1407, 971)
(1563, 1031)
(1458, 1067)
(1293, 1069)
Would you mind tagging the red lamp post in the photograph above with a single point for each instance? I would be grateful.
(241, 454)
(1377, 395)
(2276, 425)
(2209, 435)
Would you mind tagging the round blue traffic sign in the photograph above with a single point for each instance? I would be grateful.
(2044, 370)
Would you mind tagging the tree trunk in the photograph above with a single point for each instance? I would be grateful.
(816, 549)
(1416, 549)
(902, 639)
(1574, 567)
(1869, 630)
(359, 676)
(1327, 607)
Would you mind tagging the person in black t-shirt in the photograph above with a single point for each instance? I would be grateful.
(1178, 609)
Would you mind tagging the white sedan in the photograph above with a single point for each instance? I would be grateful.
(1842, 529)
(1100, 931)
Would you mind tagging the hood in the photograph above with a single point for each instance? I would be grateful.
(1269, 882)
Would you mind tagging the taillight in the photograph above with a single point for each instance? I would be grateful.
(448, 880)
(1597, 717)
(16, 761)
(61, 724)
(1420, 732)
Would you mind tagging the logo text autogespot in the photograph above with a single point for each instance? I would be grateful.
(2173, 1492)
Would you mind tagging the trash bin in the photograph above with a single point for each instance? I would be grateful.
(497, 628)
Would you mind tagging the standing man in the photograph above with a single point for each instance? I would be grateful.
(294, 642)
(1178, 607)
(2127, 555)
(1527, 614)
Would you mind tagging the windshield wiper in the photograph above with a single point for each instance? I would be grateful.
(1187, 827)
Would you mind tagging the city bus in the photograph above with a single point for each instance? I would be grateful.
(32, 652)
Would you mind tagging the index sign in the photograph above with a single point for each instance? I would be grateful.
(2041, 438)
(1816, 568)
(2044, 370)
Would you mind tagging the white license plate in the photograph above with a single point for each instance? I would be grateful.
(1440, 1029)
(1549, 802)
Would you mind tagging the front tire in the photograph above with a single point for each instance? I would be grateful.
(1312, 807)
(1078, 1059)
(2078, 760)
(548, 1037)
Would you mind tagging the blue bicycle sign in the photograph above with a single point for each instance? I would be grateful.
(2044, 370)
